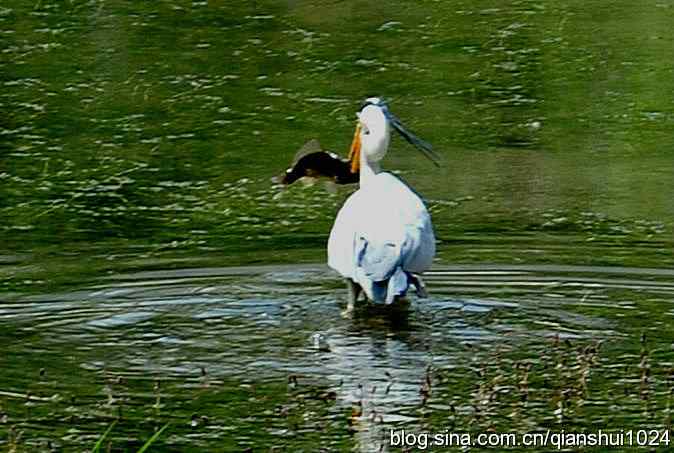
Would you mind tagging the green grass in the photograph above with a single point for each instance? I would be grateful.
(99, 444)
(145, 446)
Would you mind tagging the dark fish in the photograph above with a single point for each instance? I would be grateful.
(313, 162)
(321, 164)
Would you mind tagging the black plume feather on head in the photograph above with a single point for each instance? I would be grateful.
(411, 138)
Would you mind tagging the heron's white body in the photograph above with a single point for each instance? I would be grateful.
(383, 231)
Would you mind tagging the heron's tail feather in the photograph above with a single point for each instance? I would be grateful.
(379, 266)
(397, 285)
(385, 291)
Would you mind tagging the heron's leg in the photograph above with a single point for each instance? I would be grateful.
(419, 285)
(400, 304)
(354, 290)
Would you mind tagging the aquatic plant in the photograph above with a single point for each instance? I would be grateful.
(145, 446)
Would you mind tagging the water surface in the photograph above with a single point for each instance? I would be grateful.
(229, 356)
(150, 271)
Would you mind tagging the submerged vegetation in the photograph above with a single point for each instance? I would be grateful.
(251, 221)
(557, 384)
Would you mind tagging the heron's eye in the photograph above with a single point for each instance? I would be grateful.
(366, 131)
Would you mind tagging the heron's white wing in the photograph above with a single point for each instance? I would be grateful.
(378, 259)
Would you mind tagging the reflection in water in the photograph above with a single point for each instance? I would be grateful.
(202, 329)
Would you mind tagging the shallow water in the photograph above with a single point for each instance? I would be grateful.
(150, 271)
(228, 355)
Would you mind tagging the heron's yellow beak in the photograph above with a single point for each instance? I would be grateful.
(354, 153)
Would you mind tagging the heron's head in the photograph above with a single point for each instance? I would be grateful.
(373, 133)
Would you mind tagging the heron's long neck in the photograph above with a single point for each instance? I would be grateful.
(368, 170)
(377, 145)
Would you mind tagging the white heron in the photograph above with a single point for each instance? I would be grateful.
(382, 237)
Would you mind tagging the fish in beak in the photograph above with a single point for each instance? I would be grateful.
(354, 152)
(311, 162)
